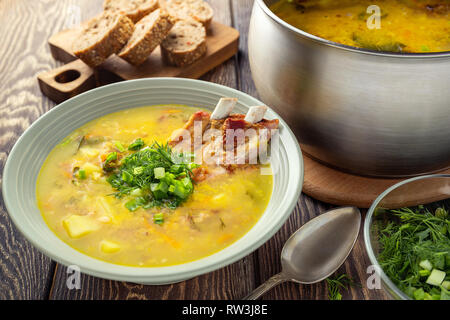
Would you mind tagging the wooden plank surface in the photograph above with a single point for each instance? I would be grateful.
(25, 273)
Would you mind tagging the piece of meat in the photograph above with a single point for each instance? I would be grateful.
(199, 117)
(229, 142)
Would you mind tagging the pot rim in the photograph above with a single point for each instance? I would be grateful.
(410, 55)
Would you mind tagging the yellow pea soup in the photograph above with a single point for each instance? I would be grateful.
(404, 25)
(82, 210)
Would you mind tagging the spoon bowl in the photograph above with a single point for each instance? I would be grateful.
(317, 249)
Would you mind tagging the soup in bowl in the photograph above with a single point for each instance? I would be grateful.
(108, 182)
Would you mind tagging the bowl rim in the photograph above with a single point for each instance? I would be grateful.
(139, 274)
(304, 34)
(368, 223)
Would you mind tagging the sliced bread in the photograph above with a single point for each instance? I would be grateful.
(134, 9)
(199, 10)
(148, 33)
(103, 36)
(185, 43)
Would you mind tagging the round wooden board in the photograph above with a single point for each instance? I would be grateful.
(340, 188)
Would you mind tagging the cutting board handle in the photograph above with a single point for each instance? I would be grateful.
(67, 81)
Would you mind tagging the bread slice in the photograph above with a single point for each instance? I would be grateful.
(199, 10)
(149, 32)
(134, 9)
(185, 43)
(103, 36)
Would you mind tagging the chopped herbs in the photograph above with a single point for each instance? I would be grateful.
(119, 146)
(110, 161)
(158, 218)
(415, 251)
(82, 174)
(151, 178)
(136, 145)
(336, 284)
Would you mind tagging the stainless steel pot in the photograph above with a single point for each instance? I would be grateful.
(371, 113)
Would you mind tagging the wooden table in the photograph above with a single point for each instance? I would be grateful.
(25, 273)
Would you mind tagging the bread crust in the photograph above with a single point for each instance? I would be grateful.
(134, 9)
(141, 46)
(110, 41)
(177, 56)
(198, 10)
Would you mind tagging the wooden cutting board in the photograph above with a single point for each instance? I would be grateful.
(75, 77)
(343, 189)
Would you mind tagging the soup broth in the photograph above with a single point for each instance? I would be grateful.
(404, 25)
(85, 214)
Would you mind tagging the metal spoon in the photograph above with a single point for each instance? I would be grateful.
(316, 250)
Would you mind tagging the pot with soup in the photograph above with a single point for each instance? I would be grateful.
(133, 188)
(363, 84)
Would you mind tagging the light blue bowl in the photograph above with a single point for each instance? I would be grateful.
(30, 151)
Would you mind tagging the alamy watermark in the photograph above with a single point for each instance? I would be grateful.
(74, 277)
(374, 20)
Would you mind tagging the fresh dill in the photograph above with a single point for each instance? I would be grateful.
(415, 250)
(336, 284)
(151, 177)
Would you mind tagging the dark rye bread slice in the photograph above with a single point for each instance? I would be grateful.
(198, 10)
(103, 36)
(185, 43)
(148, 33)
(134, 9)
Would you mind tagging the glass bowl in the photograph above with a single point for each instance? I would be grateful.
(434, 188)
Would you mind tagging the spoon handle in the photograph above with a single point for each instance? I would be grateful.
(269, 284)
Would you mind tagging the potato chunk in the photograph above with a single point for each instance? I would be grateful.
(109, 246)
(78, 226)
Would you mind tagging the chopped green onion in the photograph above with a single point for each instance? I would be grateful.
(419, 294)
(436, 277)
(424, 272)
(127, 177)
(446, 284)
(136, 145)
(176, 168)
(132, 205)
(135, 203)
(158, 218)
(159, 172)
(119, 146)
(82, 174)
(111, 157)
(159, 190)
(426, 264)
(179, 190)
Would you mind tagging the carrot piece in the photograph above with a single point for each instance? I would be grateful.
(174, 243)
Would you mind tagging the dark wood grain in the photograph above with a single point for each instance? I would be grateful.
(25, 26)
(25, 273)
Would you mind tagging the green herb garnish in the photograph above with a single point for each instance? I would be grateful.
(136, 145)
(119, 146)
(158, 218)
(415, 251)
(82, 174)
(151, 178)
(336, 284)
